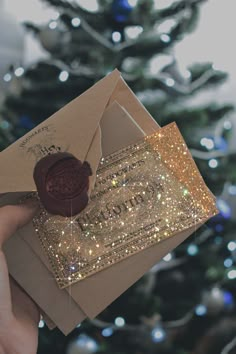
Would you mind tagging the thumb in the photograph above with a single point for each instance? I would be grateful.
(13, 217)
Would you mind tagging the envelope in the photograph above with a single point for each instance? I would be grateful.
(104, 119)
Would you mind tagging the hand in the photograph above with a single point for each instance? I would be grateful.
(19, 315)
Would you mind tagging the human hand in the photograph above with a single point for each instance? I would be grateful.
(19, 315)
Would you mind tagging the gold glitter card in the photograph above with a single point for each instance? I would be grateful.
(143, 194)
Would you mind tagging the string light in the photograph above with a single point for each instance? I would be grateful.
(41, 324)
(158, 334)
(213, 163)
(7, 77)
(19, 71)
(201, 310)
(231, 246)
(53, 25)
(120, 322)
(192, 250)
(170, 82)
(165, 38)
(76, 22)
(168, 257)
(116, 37)
(208, 143)
(231, 274)
(228, 262)
(227, 125)
(107, 332)
(64, 75)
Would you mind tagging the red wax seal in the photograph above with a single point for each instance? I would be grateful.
(62, 182)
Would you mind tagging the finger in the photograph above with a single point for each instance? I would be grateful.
(13, 217)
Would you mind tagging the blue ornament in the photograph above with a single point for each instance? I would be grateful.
(228, 299)
(224, 208)
(220, 143)
(107, 332)
(121, 10)
(26, 122)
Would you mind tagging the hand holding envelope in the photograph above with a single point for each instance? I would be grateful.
(137, 166)
(19, 315)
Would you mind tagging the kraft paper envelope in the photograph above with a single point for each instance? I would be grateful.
(125, 131)
(82, 128)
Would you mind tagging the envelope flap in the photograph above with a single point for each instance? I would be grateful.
(60, 132)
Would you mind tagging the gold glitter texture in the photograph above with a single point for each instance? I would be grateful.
(143, 194)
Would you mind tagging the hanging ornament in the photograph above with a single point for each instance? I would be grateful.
(26, 122)
(83, 345)
(121, 10)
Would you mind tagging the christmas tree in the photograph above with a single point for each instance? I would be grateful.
(185, 304)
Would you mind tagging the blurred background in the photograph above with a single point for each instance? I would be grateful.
(179, 58)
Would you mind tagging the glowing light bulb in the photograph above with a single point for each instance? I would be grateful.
(192, 250)
(19, 71)
(107, 332)
(170, 82)
(119, 321)
(168, 257)
(208, 143)
(213, 163)
(53, 25)
(158, 335)
(165, 38)
(64, 75)
(200, 310)
(231, 274)
(76, 22)
(116, 37)
(7, 77)
(231, 246)
(41, 324)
